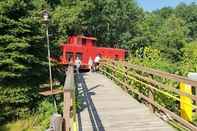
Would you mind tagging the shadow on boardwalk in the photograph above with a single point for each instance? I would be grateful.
(84, 96)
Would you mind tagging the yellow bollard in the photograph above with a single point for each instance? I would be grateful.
(186, 102)
(75, 126)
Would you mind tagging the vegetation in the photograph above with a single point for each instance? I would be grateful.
(163, 39)
(37, 122)
(22, 58)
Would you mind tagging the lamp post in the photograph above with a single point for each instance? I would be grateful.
(46, 21)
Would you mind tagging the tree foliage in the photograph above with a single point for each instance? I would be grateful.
(189, 14)
(188, 61)
(171, 37)
(108, 20)
(22, 56)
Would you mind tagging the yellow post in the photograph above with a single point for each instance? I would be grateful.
(186, 102)
(75, 127)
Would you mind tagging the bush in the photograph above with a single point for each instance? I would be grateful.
(45, 111)
(189, 58)
(151, 57)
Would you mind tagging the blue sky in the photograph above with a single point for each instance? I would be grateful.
(150, 5)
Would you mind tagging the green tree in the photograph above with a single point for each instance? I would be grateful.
(189, 14)
(147, 31)
(110, 21)
(189, 58)
(114, 22)
(22, 57)
(164, 12)
(171, 37)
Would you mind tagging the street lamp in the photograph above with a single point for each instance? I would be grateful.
(46, 21)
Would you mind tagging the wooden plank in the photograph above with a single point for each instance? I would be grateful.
(67, 106)
(68, 91)
(56, 122)
(175, 116)
(53, 92)
(109, 108)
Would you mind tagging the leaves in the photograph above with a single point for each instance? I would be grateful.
(22, 56)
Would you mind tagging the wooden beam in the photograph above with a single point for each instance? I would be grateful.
(67, 107)
(53, 92)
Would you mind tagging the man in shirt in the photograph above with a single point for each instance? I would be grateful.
(77, 63)
(90, 63)
(96, 62)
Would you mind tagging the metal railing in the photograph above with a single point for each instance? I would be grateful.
(149, 85)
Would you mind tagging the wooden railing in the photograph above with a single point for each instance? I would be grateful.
(69, 101)
(149, 86)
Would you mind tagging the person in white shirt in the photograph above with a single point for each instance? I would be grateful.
(90, 63)
(97, 59)
(96, 62)
(77, 63)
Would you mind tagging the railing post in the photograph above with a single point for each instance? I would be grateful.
(56, 122)
(151, 96)
(68, 90)
(186, 102)
(67, 107)
(126, 70)
(193, 76)
(126, 75)
(113, 63)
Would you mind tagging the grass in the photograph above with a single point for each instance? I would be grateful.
(194, 117)
(31, 124)
(19, 125)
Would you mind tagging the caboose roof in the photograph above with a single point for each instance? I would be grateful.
(87, 37)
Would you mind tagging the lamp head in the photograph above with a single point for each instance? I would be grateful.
(46, 16)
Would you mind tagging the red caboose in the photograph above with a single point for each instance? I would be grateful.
(84, 48)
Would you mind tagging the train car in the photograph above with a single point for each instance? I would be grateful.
(85, 48)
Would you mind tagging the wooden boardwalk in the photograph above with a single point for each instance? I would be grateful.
(106, 107)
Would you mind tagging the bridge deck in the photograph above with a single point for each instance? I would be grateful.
(106, 107)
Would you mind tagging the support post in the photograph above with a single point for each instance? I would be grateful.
(151, 96)
(49, 58)
(56, 122)
(126, 70)
(193, 76)
(186, 102)
(126, 76)
(67, 107)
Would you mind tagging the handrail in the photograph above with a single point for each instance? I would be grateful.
(69, 100)
(154, 88)
(158, 73)
(156, 83)
(128, 72)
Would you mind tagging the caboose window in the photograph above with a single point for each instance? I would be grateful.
(83, 41)
(79, 55)
(69, 56)
(93, 43)
(79, 41)
(116, 57)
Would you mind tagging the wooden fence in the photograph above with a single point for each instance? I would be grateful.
(149, 85)
(69, 101)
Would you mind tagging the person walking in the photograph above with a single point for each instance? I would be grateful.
(77, 64)
(96, 62)
(90, 63)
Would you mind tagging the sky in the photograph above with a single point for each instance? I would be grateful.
(150, 5)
